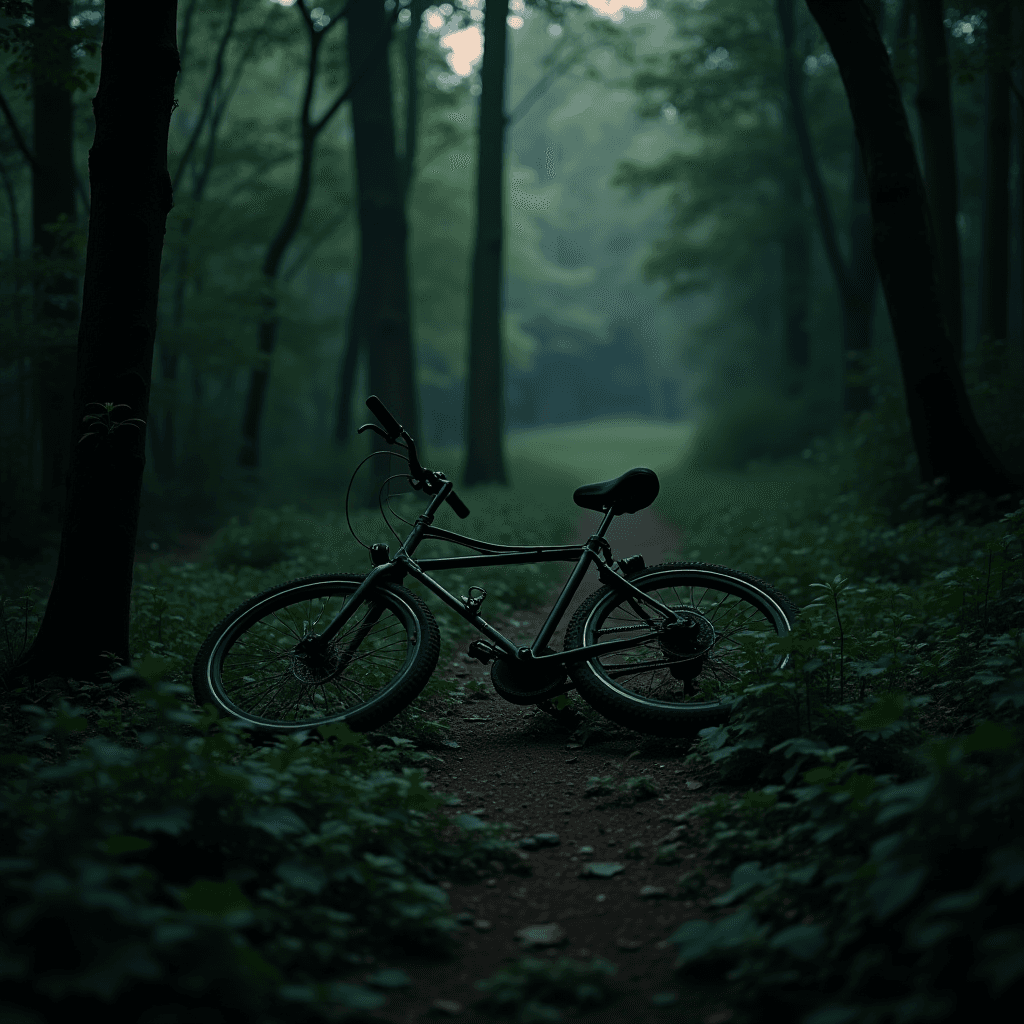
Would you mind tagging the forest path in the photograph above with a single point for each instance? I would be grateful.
(516, 765)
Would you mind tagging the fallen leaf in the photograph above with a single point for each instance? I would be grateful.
(601, 870)
(541, 935)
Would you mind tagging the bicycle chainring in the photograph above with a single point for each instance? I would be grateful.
(526, 683)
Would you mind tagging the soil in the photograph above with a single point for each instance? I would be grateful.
(517, 765)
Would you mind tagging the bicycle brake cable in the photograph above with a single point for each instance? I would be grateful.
(348, 493)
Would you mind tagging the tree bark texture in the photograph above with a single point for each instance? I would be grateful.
(485, 397)
(934, 108)
(53, 206)
(946, 435)
(381, 324)
(85, 626)
(995, 217)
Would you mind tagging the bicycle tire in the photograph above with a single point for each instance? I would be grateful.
(392, 663)
(602, 682)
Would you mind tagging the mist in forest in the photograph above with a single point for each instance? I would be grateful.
(685, 240)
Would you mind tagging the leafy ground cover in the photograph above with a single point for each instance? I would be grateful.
(865, 801)
(875, 852)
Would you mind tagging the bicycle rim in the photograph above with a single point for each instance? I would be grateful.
(732, 617)
(259, 673)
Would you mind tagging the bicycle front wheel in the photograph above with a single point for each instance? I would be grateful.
(265, 664)
(673, 684)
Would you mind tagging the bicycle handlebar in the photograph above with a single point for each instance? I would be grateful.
(429, 478)
(390, 424)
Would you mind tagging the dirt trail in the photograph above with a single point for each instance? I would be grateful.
(517, 766)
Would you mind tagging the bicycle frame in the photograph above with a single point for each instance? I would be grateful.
(502, 554)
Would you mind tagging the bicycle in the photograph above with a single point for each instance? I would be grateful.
(654, 649)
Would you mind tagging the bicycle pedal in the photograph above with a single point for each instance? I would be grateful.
(482, 651)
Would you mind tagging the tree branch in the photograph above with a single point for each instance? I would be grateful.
(204, 112)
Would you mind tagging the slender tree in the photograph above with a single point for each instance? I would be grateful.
(485, 400)
(995, 218)
(53, 218)
(935, 111)
(947, 438)
(855, 276)
(309, 130)
(85, 626)
(380, 322)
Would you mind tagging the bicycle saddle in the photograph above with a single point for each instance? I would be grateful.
(634, 490)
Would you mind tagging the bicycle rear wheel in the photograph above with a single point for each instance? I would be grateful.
(264, 663)
(674, 683)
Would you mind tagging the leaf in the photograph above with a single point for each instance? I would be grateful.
(895, 889)
(886, 710)
(989, 736)
(602, 870)
(276, 821)
(470, 822)
(341, 734)
(216, 898)
(125, 844)
(389, 977)
(803, 941)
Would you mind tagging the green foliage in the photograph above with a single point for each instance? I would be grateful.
(752, 425)
(531, 990)
(876, 864)
(173, 863)
(873, 900)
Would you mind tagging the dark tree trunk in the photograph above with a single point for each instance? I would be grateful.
(366, 60)
(854, 278)
(53, 204)
(379, 304)
(947, 438)
(995, 218)
(485, 387)
(86, 619)
(859, 309)
(934, 108)
(383, 328)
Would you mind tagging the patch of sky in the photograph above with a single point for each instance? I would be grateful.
(965, 27)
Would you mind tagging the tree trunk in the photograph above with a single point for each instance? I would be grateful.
(947, 438)
(939, 151)
(351, 353)
(53, 215)
(485, 404)
(854, 278)
(85, 627)
(995, 218)
(381, 323)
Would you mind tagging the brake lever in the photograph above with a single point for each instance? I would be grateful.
(376, 430)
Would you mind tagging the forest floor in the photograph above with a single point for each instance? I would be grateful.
(517, 765)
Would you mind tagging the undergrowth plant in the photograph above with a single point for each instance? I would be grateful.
(152, 857)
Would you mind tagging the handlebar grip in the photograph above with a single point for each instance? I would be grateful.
(390, 424)
(457, 504)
